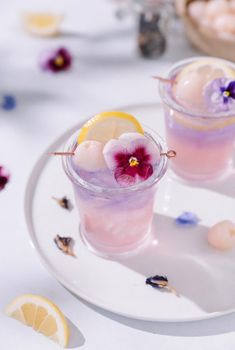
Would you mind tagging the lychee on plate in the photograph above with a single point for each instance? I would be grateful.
(222, 235)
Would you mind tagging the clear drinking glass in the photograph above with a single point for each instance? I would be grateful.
(204, 142)
(114, 220)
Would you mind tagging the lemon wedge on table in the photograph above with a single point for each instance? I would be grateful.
(42, 24)
(109, 125)
(42, 315)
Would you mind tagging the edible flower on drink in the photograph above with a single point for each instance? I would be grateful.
(219, 95)
(132, 158)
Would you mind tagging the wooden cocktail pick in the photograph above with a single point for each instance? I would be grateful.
(169, 154)
(164, 80)
(61, 153)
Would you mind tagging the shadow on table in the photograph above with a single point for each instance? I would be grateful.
(220, 325)
(197, 271)
(76, 337)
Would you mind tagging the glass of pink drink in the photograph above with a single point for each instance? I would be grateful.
(113, 219)
(200, 117)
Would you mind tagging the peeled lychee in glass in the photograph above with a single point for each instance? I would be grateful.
(89, 156)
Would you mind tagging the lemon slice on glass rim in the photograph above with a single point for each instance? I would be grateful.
(109, 125)
(42, 315)
(42, 24)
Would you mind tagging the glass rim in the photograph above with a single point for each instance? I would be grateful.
(170, 102)
(78, 180)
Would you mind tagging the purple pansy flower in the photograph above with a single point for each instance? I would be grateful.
(219, 95)
(56, 60)
(132, 158)
(8, 102)
(187, 218)
(4, 177)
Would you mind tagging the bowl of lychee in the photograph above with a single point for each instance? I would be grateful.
(210, 25)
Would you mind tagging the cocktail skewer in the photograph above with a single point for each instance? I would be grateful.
(164, 80)
(61, 153)
(169, 154)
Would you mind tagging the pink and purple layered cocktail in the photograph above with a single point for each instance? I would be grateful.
(114, 181)
(199, 105)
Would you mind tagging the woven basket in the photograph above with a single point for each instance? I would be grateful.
(202, 38)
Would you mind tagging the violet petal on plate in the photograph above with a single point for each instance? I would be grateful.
(187, 218)
(157, 281)
(160, 282)
(65, 244)
(64, 202)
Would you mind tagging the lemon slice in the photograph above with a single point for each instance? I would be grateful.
(42, 315)
(42, 24)
(109, 125)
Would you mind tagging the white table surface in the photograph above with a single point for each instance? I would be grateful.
(107, 73)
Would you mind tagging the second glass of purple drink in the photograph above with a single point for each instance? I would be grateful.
(204, 141)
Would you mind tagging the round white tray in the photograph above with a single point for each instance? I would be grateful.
(203, 276)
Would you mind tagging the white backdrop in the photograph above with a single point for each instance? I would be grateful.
(107, 73)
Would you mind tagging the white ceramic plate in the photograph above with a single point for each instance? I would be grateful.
(203, 276)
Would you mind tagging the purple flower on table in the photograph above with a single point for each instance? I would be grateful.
(4, 177)
(132, 158)
(219, 95)
(8, 102)
(56, 60)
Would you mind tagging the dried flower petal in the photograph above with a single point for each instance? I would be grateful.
(157, 281)
(8, 102)
(4, 177)
(187, 218)
(160, 282)
(65, 244)
(64, 202)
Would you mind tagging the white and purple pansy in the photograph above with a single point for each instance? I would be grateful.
(219, 95)
(131, 157)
